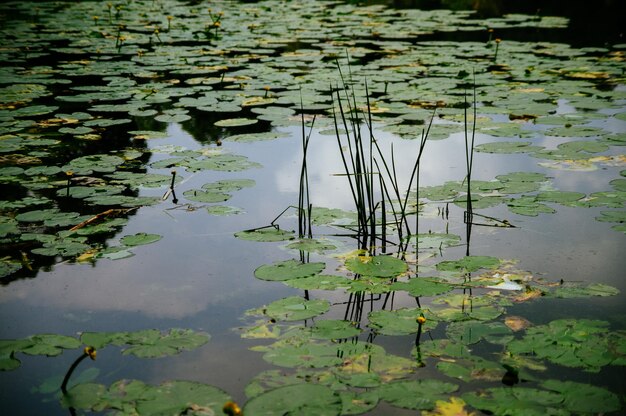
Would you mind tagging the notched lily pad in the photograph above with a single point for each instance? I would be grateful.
(376, 266)
(287, 270)
(269, 234)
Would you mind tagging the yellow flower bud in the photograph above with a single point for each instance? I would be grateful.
(232, 409)
(421, 320)
(91, 352)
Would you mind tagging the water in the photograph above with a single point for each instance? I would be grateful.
(199, 276)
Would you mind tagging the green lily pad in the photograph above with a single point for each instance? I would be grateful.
(416, 394)
(200, 195)
(37, 215)
(528, 205)
(62, 247)
(312, 245)
(287, 270)
(472, 369)
(516, 401)
(577, 290)
(223, 210)
(175, 397)
(583, 343)
(49, 344)
(139, 239)
(376, 266)
(471, 332)
(560, 197)
(296, 309)
(325, 216)
(8, 267)
(301, 399)
(269, 234)
(468, 264)
(399, 322)
(437, 240)
(254, 137)
(612, 216)
(507, 147)
(334, 329)
(153, 344)
(584, 398)
(421, 286)
(236, 122)
(229, 185)
(319, 282)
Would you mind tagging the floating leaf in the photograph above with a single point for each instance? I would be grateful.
(468, 264)
(576, 290)
(416, 394)
(584, 398)
(152, 344)
(580, 343)
(471, 332)
(507, 147)
(236, 122)
(139, 239)
(301, 399)
(422, 286)
(318, 282)
(64, 248)
(334, 329)
(436, 240)
(199, 195)
(223, 210)
(266, 234)
(325, 216)
(176, 397)
(516, 401)
(399, 322)
(312, 245)
(295, 308)
(287, 270)
(377, 266)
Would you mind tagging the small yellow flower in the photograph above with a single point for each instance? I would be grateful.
(232, 409)
(91, 352)
(498, 40)
(421, 320)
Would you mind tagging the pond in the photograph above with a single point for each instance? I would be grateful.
(311, 207)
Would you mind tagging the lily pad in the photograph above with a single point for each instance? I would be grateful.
(468, 264)
(416, 394)
(421, 286)
(312, 245)
(287, 270)
(301, 399)
(269, 234)
(580, 343)
(319, 282)
(334, 329)
(236, 122)
(399, 322)
(296, 309)
(517, 401)
(376, 266)
(139, 239)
